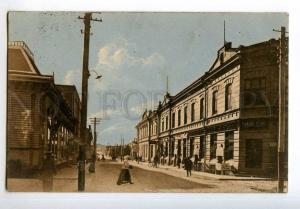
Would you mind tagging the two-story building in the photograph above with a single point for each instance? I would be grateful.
(229, 115)
(40, 119)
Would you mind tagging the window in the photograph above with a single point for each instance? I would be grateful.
(192, 141)
(172, 146)
(253, 153)
(179, 118)
(229, 145)
(167, 122)
(255, 124)
(162, 125)
(202, 147)
(166, 148)
(214, 102)
(193, 112)
(228, 92)
(255, 90)
(202, 108)
(185, 115)
(222, 58)
(213, 146)
(173, 119)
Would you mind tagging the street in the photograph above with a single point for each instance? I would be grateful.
(144, 180)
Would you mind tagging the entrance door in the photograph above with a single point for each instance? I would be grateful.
(192, 140)
(184, 148)
(179, 148)
(202, 147)
(253, 153)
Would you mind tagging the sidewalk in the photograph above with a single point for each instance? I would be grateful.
(196, 175)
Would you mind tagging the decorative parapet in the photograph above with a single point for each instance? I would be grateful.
(23, 45)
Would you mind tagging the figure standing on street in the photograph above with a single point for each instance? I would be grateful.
(49, 170)
(125, 176)
(155, 161)
(178, 161)
(188, 165)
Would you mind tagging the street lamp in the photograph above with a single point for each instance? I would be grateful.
(97, 75)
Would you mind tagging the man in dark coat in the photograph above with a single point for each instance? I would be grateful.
(188, 165)
(178, 161)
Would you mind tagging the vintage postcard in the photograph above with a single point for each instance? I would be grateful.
(147, 102)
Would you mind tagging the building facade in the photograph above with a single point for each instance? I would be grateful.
(227, 116)
(39, 118)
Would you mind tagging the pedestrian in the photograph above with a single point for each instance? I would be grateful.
(49, 170)
(188, 165)
(155, 161)
(178, 161)
(125, 176)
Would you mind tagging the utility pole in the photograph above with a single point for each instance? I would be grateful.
(282, 127)
(95, 121)
(122, 149)
(85, 75)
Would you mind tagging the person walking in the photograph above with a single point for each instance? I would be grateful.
(125, 176)
(178, 161)
(188, 165)
(155, 161)
(48, 172)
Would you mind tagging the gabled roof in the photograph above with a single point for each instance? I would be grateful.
(224, 54)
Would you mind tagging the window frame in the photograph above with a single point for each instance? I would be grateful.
(179, 117)
(193, 112)
(228, 97)
(202, 109)
(185, 110)
(214, 102)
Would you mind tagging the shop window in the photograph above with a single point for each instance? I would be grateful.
(229, 145)
(213, 146)
(253, 153)
(202, 147)
(192, 140)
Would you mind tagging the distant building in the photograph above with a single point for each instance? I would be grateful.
(229, 115)
(134, 149)
(39, 118)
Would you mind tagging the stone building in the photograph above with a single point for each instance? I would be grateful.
(229, 116)
(39, 119)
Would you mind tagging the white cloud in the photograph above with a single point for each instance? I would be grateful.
(118, 53)
(73, 77)
(135, 80)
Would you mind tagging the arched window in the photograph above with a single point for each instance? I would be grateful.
(202, 108)
(179, 118)
(185, 115)
(214, 102)
(228, 93)
(192, 112)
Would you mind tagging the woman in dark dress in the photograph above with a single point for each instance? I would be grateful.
(125, 176)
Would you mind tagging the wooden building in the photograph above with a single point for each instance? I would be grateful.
(39, 118)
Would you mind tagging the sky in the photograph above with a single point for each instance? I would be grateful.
(134, 53)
